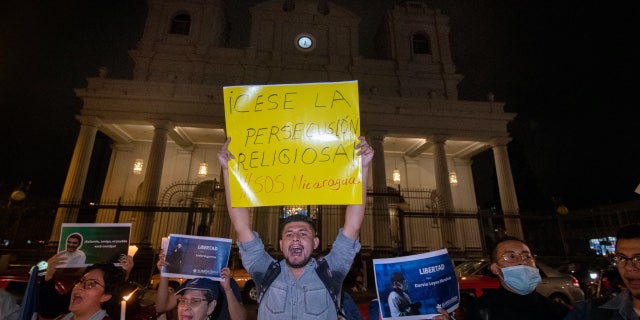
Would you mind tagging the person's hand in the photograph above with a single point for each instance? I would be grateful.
(443, 315)
(224, 155)
(161, 260)
(365, 152)
(58, 259)
(126, 262)
(225, 274)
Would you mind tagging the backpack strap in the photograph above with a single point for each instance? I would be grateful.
(333, 286)
(269, 276)
(324, 272)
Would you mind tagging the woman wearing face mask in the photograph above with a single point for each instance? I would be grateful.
(93, 291)
(516, 298)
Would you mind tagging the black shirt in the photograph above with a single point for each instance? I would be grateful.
(502, 304)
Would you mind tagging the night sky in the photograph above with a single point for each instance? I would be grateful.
(564, 68)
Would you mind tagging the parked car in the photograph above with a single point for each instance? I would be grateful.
(14, 281)
(246, 284)
(555, 285)
(475, 285)
(597, 276)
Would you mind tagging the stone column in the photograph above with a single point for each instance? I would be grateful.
(379, 175)
(77, 174)
(381, 216)
(148, 194)
(508, 198)
(441, 170)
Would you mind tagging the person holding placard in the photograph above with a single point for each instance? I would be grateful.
(55, 295)
(226, 304)
(298, 291)
(90, 295)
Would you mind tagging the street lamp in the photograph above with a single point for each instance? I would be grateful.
(137, 166)
(453, 178)
(396, 177)
(203, 169)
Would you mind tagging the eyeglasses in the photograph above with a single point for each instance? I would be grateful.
(87, 283)
(193, 302)
(512, 257)
(621, 261)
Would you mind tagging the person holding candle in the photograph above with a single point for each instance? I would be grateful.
(91, 295)
(55, 289)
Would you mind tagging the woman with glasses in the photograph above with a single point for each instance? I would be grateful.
(227, 303)
(90, 295)
(515, 265)
(197, 299)
(55, 286)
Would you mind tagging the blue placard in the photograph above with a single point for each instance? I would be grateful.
(430, 281)
(195, 256)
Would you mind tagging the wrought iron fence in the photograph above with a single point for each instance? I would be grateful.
(27, 227)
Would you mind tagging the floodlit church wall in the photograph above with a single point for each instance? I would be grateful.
(184, 163)
(464, 195)
(121, 182)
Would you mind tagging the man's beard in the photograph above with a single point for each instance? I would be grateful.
(297, 265)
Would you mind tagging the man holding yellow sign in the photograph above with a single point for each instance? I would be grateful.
(295, 144)
(298, 241)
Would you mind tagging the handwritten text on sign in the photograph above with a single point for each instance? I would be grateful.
(294, 144)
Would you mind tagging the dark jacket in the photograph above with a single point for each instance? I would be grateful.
(502, 304)
(619, 307)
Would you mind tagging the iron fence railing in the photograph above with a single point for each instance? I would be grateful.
(28, 226)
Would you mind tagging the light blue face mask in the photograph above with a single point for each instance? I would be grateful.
(521, 279)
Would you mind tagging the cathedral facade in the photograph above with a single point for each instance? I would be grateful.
(167, 122)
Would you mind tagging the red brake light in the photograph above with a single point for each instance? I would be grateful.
(575, 282)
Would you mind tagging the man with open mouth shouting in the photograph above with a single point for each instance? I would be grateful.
(297, 292)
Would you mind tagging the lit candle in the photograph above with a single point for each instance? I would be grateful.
(123, 309)
(123, 304)
(132, 250)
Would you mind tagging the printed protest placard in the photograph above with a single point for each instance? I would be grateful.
(195, 256)
(294, 144)
(88, 243)
(413, 287)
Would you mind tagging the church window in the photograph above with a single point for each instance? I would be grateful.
(180, 24)
(421, 44)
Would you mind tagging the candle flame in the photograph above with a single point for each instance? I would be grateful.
(126, 298)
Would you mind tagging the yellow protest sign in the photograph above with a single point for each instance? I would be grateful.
(294, 144)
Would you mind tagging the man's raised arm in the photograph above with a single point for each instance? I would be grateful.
(355, 212)
(239, 216)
